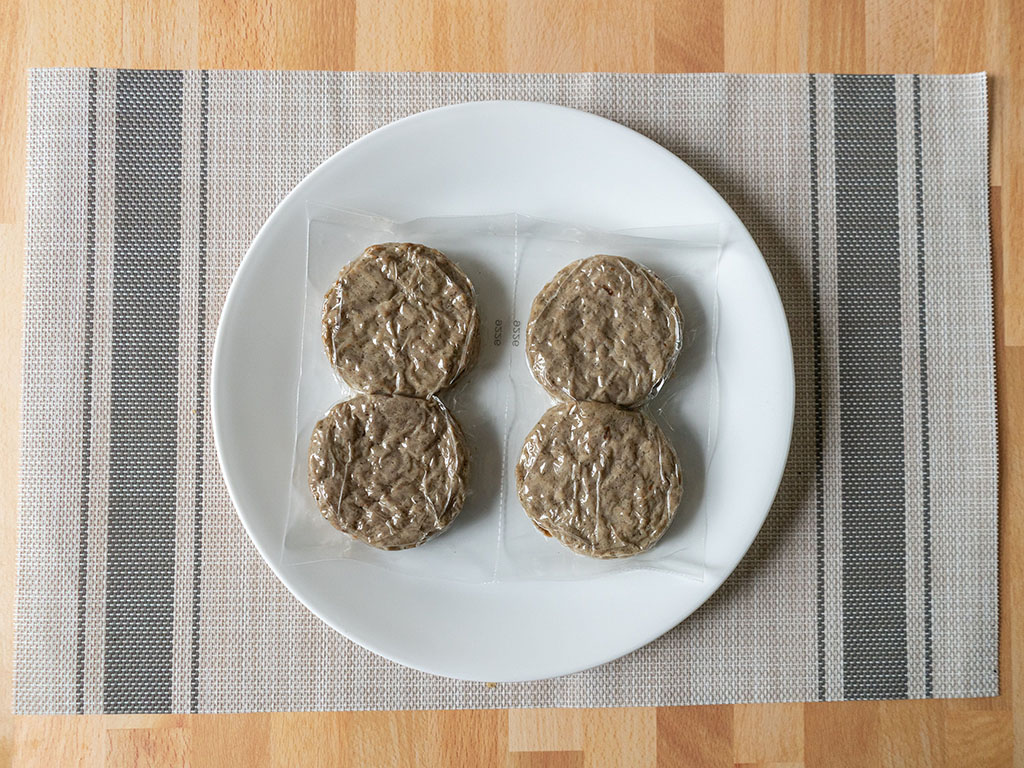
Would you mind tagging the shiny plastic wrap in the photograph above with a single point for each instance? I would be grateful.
(401, 319)
(602, 480)
(388, 470)
(507, 260)
(605, 329)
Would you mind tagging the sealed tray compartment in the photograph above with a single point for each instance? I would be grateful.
(685, 407)
(509, 258)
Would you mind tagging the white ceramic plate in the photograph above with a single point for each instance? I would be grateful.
(485, 158)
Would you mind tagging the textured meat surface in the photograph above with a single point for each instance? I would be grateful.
(388, 470)
(602, 480)
(401, 319)
(604, 329)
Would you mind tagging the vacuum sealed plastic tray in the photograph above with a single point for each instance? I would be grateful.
(503, 341)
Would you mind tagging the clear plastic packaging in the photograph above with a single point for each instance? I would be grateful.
(508, 259)
(602, 480)
(605, 329)
(401, 319)
(389, 470)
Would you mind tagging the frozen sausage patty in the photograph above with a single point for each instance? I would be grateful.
(602, 480)
(388, 470)
(604, 329)
(401, 319)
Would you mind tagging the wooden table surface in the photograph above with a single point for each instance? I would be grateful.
(945, 36)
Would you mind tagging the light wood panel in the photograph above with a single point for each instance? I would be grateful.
(540, 35)
(545, 730)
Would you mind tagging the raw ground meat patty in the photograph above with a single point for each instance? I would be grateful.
(388, 470)
(604, 329)
(602, 480)
(401, 319)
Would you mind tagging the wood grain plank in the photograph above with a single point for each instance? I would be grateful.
(911, 734)
(689, 37)
(1009, 85)
(73, 34)
(136, 722)
(544, 36)
(1011, 460)
(979, 738)
(842, 735)
(147, 747)
(1009, 374)
(159, 35)
(698, 737)
(13, 96)
(321, 738)
(1012, 560)
(837, 37)
(961, 34)
(467, 38)
(768, 733)
(899, 36)
(394, 34)
(545, 760)
(14, 19)
(999, 39)
(366, 736)
(334, 739)
(411, 739)
(236, 35)
(314, 34)
(481, 738)
(620, 38)
(765, 35)
(59, 740)
(545, 730)
(218, 740)
(621, 738)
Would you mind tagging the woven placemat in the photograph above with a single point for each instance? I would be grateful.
(875, 575)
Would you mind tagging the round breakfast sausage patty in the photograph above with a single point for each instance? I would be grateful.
(602, 480)
(604, 329)
(401, 319)
(388, 470)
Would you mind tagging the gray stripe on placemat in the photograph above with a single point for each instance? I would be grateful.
(922, 330)
(197, 531)
(870, 389)
(86, 453)
(143, 439)
(819, 431)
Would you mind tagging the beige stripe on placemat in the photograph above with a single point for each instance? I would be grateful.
(832, 507)
(96, 573)
(236, 669)
(47, 614)
(763, 157)
(189, 382)
(913, 451)
(961, 416)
